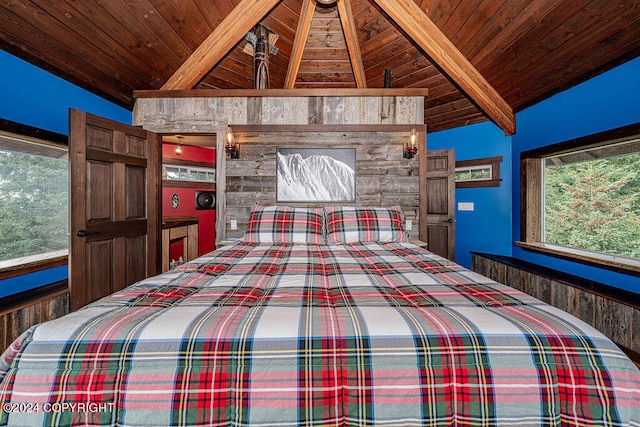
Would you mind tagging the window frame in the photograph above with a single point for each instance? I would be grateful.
(532, 203)
(171, 161)
(44, 261)
(189, 171)
(492, 162)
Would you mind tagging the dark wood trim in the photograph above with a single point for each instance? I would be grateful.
(495, 172)
(476, 162)
(94, 154)
(263, 93)
(27, 266)
(633, 355)
(423, 229)
(588, 141)
(172, 183)
(609, 262)
(20, 300)
(479, 184)
(330, 128)
(178, 221)
(32, 132)
(530, 200)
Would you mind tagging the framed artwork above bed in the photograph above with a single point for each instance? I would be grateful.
(316, 175)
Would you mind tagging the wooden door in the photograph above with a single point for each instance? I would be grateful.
(441, 202)
(115, 214)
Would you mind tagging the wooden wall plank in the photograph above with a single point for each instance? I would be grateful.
(14, 321)
(383, 178)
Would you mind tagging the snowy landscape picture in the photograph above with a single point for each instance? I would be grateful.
(315, 174)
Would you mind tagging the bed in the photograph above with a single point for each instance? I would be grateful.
(319, 317)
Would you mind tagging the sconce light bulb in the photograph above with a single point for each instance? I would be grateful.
(179, 147)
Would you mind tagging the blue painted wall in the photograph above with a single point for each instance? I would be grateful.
(34, 97)
(488, 227)
(605, 102)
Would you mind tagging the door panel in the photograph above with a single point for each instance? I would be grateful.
(99, 138)
(438, 239)
(115, 215)
(134, 259)
(99, 198)
(98, 257)
(135, 192)
(441, 202)
(437, 196)
(136, 147)
(437, 161)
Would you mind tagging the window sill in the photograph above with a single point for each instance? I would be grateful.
(609, 262)
(18, 266)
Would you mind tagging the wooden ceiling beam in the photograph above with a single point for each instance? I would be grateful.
(417, 25)
(232, 29)
(351, 38)
(302, 33)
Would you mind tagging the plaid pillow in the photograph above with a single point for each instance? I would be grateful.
(284, 224)
(364, 224)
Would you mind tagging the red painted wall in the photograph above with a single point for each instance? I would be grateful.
(187, 199)
(189, 152)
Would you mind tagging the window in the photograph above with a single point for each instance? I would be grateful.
(478, 172)
(33, 198)
(581, 200)
(473, 173)
(188, 173)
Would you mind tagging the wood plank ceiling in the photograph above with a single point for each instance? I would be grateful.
(527, 50)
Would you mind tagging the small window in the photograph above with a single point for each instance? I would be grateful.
(478, 172)
(188, 173)
(34, 197)
(473, 173)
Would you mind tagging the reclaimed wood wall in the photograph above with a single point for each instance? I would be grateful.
(211, 112)
(17, 318)
(383, 176)
(617, 319)
(202, 111)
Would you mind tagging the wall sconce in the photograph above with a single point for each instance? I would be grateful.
(231, 146)
(179, 147)
(411, 147)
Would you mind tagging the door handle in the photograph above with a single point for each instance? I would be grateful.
(450, 221)
(83, 233)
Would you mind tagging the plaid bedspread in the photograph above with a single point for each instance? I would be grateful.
(283, 335)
